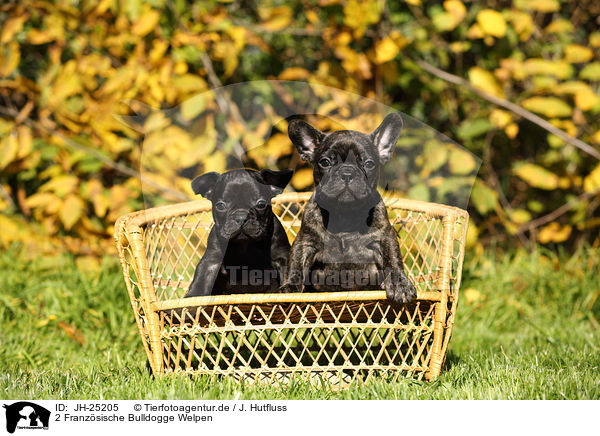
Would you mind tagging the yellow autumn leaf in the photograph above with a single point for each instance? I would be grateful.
(512, 130)
(554, 232)
(41, 200)
(215, 162)
(472, 235)
(548, 106)
(44, 322)
(277, 18)
(60, 185)
(537, 176)
(560, 69)
(72, 332)
(8, 230)
(500, 118)
(520, 216)
(461, 162)
(492, 23)
(38, 37)
(95, 191)
(592, 181)
(560, 25)
(278, 145)
(577, 54)
(443, 21)
(70, 211)
(302, 178)
(192, 107)
(9, 149)
(25, 140)
(457, 9)
(12, 26)
(542, 5)
(485, 81)
(146, 23)
(385, 50)
(594, 39)
(522, 23)
(294, 73)
(572, 87)
(471, 295)
(10, 56)
(475, 32)
(586, 100)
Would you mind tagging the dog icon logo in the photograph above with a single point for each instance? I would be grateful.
(26, 415)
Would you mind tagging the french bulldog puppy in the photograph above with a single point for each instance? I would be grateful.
(346, 241)
(247, 248)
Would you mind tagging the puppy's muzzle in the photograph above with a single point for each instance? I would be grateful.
(347, 173)
(239, 216)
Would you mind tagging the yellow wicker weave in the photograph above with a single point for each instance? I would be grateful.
(335, 337)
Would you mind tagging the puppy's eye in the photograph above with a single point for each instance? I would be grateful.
(325, 163)
(261, 204)
(221, 206)
(369, 164)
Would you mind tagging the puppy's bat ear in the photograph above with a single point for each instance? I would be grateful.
(386, 135)
(277, 180)
(305, 137)
(204, 184)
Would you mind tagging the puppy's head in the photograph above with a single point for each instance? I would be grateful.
(346, 163)
(241, 200)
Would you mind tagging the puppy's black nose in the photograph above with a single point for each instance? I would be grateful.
(239, 216)
(347, 173)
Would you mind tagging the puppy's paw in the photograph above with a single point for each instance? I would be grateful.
(399, 289)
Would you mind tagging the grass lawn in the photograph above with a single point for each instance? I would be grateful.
(527, 327)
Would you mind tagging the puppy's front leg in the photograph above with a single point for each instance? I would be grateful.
(399, 289)
(301, 259)
(204, 277)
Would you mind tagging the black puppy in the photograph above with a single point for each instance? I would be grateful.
(346, 241)
(247, 248)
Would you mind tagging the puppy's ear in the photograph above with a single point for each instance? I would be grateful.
(305, 137)
(386, 135)
(277, 180)
(204, 184)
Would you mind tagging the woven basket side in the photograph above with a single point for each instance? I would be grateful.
(458, 254)
(131, 273)
(339, 340)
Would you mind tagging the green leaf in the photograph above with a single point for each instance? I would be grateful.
(473, 128)
(420, 191)
(591, 71)
(484, 198)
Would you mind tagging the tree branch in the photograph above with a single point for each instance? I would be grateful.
(586, 148)
(533, 224)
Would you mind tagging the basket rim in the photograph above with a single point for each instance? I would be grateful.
(303, 297)
(144, 216)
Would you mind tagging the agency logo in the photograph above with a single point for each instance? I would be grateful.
(26, 415)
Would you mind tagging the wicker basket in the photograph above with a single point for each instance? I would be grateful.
(335, 337)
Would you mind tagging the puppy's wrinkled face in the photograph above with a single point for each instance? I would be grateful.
(346, 170)
(346, 163)
(241, 201)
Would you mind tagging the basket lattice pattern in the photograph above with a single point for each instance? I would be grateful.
(333, 337)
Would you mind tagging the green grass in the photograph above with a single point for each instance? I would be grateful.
(527, 327)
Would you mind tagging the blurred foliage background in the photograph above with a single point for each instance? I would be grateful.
(69, 168)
